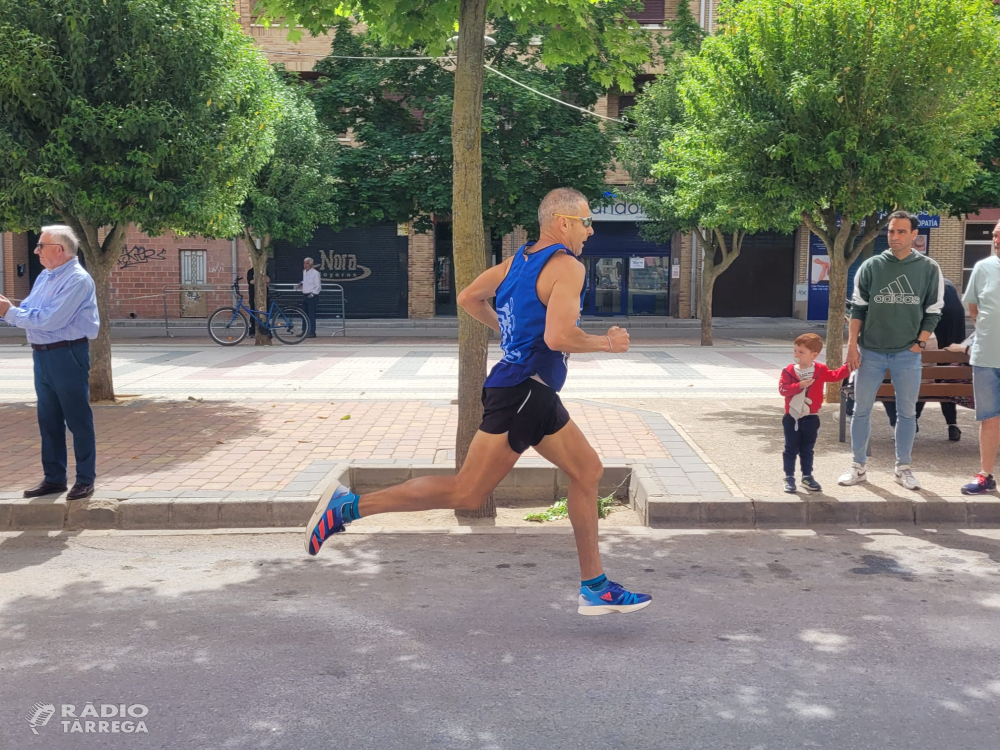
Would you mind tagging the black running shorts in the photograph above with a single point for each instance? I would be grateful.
(527, 412)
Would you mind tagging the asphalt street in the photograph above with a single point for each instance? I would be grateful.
(755, 640)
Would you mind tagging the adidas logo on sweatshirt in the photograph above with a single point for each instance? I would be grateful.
(899, 292)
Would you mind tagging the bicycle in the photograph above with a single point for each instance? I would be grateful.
(228, 326)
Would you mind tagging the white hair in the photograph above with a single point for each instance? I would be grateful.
(65, 235)
(310, 261)
(559, 201)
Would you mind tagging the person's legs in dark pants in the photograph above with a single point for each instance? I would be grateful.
(51, 424)
(949, 410)
(253, 319)
(311, 305)
(73, 386)
(791, 452)
(808, 431)
(890, 411)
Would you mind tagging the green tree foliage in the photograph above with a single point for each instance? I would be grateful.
(400, 115)
(843, 109)
(983, 191)
(116, 112)
(681, 182)
(295, 191)
(597, 36)
(686, 33)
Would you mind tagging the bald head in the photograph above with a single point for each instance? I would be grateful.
(561, 201)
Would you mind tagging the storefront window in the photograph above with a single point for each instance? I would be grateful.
(649, 286)
(608, 286)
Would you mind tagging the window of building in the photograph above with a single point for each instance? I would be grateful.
(653, 12)
(194, 268)
(978, 245)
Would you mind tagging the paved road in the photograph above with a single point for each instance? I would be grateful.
(406, 372)
(756, 641)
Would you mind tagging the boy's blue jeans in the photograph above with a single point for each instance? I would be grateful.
(904, 369)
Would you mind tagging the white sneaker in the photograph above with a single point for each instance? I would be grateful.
(905, 477)
(855, 475)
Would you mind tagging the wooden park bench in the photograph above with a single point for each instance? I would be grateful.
(936, 365)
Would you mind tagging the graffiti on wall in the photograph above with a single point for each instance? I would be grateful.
(138, 255)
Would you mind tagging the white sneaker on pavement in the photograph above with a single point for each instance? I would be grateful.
(904, 475)
(855, 475)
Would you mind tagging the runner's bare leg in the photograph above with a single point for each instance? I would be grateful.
(569, 450)
(490, 459)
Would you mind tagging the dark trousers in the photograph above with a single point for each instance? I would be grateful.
(62, 384)
(948, 409)
(252, 293)
(310, 305)
(800, 443)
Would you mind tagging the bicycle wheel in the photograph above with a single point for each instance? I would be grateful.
(290, 325)
(227, 326)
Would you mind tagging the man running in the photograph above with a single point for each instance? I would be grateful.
(539, 295)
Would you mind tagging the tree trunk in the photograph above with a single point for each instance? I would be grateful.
(101, 259)
(835, 310)
(259, 260)
(467, 225)
(708, 277)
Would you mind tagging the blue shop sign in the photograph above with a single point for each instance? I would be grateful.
(927, 221)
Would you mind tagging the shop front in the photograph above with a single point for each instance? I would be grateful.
(370, 263)
(626, 275)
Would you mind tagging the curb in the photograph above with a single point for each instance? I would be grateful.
(659, 511)
(290, 508)
(640, 484)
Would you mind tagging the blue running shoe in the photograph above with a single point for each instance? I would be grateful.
(327, 518)
(982, 484)
(612, 599)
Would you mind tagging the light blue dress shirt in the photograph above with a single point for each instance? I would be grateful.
(62, 306)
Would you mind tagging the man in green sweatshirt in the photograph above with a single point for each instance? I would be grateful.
(897, 303)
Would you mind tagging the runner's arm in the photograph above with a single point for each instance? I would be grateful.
(474, 299)
(562, 334)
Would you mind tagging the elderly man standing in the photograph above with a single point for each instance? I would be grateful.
(983, 297)
(60, 317)
(312, 284)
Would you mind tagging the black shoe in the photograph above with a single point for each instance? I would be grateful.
(790, 485)
(811, 484)
(80, 491)
(45, 488)
(954, 434)
(311, 336)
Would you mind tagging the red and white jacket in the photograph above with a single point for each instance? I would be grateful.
(788, 384)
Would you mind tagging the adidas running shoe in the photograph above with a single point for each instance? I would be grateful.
(327, 518)
(610, 600)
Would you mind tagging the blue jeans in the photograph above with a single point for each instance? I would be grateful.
(904, 369)
(62, 384)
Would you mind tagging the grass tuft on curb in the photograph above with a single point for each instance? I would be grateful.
(560, 510)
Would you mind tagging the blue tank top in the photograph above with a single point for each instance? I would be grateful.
(522, 325)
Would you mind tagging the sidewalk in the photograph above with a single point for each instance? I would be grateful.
(219, 436)
(642, 327)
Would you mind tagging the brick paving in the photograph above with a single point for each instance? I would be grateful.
(241, 446)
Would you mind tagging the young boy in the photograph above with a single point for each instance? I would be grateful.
(802, 386)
